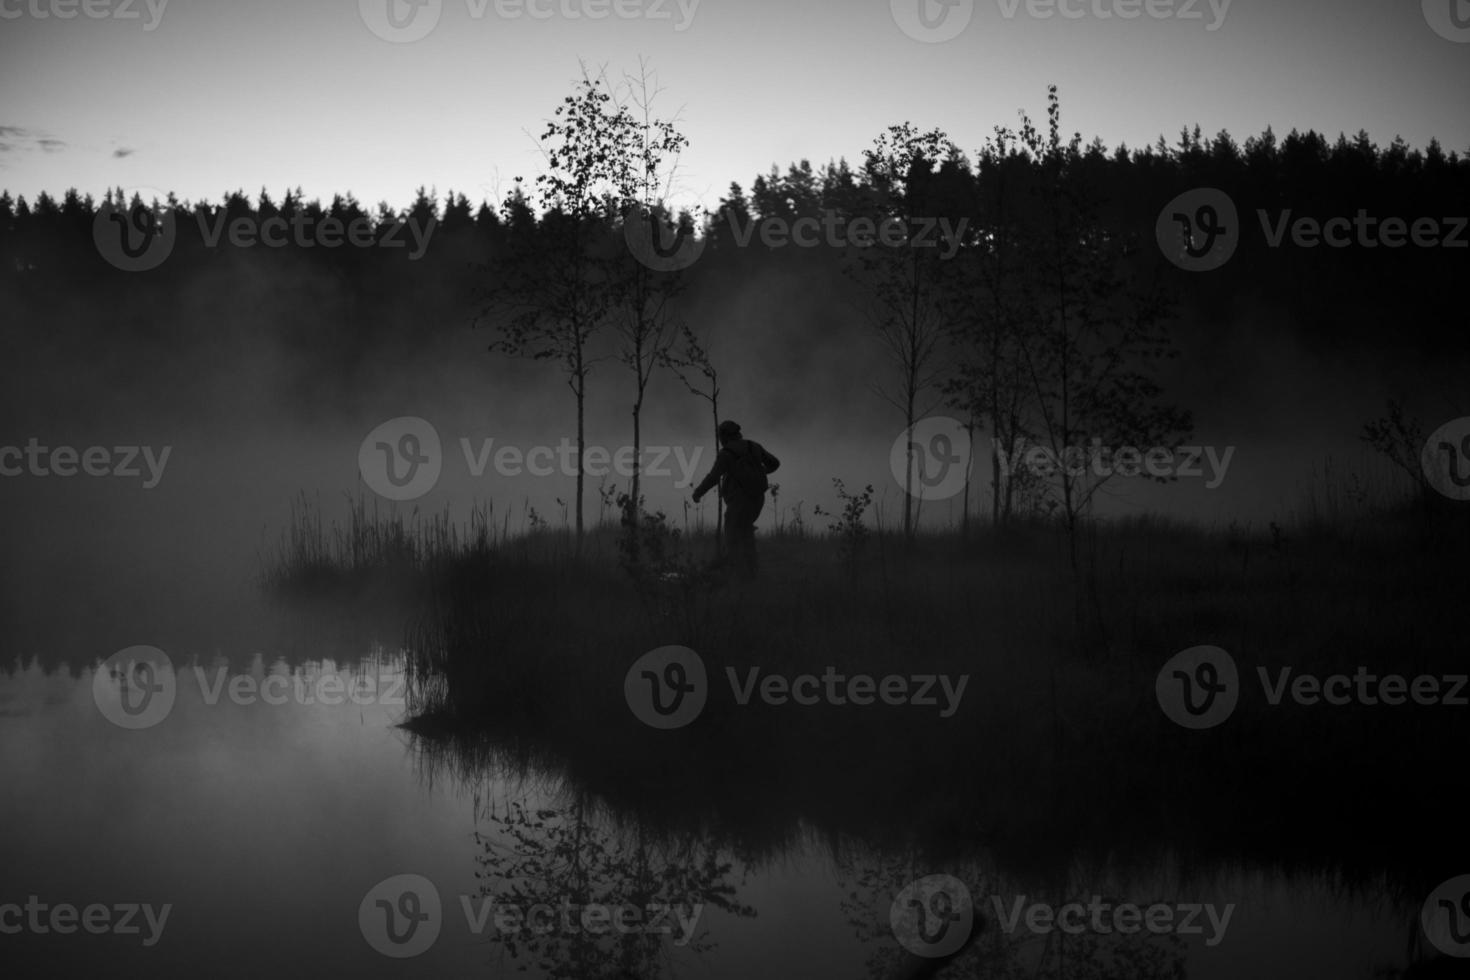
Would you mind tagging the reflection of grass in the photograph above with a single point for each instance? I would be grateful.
(1051, 752)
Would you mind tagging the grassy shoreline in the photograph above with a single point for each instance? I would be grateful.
(517, 646)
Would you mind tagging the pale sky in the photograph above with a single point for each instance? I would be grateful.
(203, 96)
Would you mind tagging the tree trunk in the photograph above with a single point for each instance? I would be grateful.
(581, 448)
(714, 404)
(635, 484)
(581, 451)
(965, 500)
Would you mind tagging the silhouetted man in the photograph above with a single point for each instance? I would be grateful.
(740, 469)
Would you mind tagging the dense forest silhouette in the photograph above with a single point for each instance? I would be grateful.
(51, 267)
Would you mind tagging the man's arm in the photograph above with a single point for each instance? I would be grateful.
(721, 464)
(771, 463)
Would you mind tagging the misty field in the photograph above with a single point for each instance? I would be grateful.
(518, 651)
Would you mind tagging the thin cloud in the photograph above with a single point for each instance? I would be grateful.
(122, 152)
(10, 138)
(14, 138)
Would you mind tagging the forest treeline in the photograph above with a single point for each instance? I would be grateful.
(47, 243)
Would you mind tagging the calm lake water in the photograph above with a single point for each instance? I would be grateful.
(269, 824)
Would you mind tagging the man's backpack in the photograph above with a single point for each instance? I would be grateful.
(748, 470)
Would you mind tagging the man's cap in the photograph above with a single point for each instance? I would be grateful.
(729, 429)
